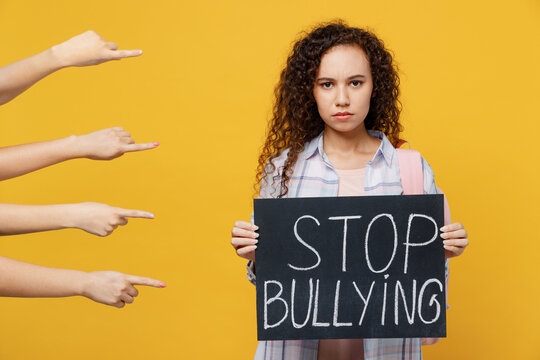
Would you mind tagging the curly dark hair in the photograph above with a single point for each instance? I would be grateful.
(296, 120)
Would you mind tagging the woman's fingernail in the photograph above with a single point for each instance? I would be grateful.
(446, 247)
(256, 235)
(255, 241)
(162, 285)
(445, 242)
(156, 144)
(444, 235)
(443, 228)
(255, 227)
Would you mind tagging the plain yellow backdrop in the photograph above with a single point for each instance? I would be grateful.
(203, 88)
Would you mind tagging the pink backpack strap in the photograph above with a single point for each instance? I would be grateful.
(412, 177)
(410, 172)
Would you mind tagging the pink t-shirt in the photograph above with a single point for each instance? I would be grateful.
(351, 183)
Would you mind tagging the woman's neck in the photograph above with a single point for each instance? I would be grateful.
(352, 141)
(351, 150)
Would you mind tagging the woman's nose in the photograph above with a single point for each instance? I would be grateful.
(342, 97)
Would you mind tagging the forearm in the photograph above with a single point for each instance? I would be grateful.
(21, 159)
(20, 279)
(20, 75)
(21, 219)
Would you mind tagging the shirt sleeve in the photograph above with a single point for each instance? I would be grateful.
(251, 272)
(431, 188)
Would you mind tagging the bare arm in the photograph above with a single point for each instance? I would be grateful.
(20, 279)
(95, 218)
(103, 144)
(85, 49)
(17, 77)
(21, 159)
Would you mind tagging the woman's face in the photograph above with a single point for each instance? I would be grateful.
(343, 88)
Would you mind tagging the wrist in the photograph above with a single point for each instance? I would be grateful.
(73, 147)
(70, 216)
(57, 57)
(83, 284)
(53, 58)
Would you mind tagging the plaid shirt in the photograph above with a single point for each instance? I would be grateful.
(314, 176)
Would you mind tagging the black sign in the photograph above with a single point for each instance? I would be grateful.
(350, 267)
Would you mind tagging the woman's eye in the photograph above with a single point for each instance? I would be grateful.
(356, 83)
(326, 85)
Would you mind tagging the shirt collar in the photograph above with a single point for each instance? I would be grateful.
(386, 150)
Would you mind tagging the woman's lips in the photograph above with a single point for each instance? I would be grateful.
(342, 115)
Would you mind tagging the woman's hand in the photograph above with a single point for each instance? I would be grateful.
(101, 219)
(88, 49)
(244, 239)
(114, 288)
(455, 239)
(108, 144)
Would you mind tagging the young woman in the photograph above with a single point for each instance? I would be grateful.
(334, 127)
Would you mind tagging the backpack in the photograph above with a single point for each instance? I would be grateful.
(412, 181)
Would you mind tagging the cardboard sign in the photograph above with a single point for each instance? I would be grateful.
(350, 267)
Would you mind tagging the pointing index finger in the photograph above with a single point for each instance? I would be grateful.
(140, 147)
(140, 280)
(121, 54)
(136, 213)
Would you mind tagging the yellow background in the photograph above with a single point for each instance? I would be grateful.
(203, 88)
